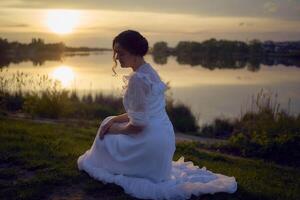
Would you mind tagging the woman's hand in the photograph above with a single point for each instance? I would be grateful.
(104, 129)
(115, 128)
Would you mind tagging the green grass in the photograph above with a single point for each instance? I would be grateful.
(38, 161)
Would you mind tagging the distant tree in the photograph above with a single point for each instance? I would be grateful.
(160, 52)
(37, 41)
(4, 45)
(161, 48)
(255, 47)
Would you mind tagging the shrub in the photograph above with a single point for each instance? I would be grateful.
(181, 117)
(50, 104)
(220, 128)
(267, 132)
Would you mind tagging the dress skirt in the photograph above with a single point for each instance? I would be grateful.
(143, 164)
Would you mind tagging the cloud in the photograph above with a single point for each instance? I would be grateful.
(10, 3)
(271, 7)
(243, 78)
(14, 26)
(244, 8)
(245, 24)
(18, 25)
(283, 9)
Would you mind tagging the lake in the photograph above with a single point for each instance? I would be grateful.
(209, 92)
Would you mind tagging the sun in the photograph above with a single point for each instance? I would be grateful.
(62, 21)
(64, 74)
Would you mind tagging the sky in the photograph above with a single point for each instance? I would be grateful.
(95, 23)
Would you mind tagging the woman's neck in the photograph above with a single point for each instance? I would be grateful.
(139, 62)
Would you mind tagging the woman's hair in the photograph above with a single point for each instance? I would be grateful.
(133, 42)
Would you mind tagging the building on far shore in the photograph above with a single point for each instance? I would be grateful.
(282, 48)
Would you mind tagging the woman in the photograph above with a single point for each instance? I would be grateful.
(135, 149)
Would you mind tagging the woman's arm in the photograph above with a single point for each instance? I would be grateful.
(121, 118)
(117, 129)
(113, 126)
(127, 129)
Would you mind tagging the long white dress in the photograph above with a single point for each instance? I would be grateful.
(143, 163)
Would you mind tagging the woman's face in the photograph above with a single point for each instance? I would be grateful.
(125, 58)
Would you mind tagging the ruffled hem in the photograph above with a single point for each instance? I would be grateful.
(186, 180)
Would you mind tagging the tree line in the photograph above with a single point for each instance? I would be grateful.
(214, 53)
(211, 48)
(37, 51)
(36, 45)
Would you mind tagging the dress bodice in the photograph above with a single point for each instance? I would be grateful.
(144, 96)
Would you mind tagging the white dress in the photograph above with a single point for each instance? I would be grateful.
(143, 163)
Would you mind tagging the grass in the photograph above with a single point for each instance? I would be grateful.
(38, 161)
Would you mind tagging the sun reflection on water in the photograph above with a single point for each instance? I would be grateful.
(64, 74)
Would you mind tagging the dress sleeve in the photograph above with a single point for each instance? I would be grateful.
(137, 96)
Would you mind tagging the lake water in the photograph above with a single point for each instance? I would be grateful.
(209, 93)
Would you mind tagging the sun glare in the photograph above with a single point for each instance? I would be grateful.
(64, 74)
(62, 21)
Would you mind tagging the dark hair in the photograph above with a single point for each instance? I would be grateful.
(133, 42)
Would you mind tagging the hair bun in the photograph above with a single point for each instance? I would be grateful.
(133, 42)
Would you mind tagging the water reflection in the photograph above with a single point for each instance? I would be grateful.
(227, 62)
(38, 59)
(64, 74)
(210, 93)
(211, 62)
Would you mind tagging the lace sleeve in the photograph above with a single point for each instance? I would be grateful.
(137, 102)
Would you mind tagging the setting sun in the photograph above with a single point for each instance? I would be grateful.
(62, 21)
